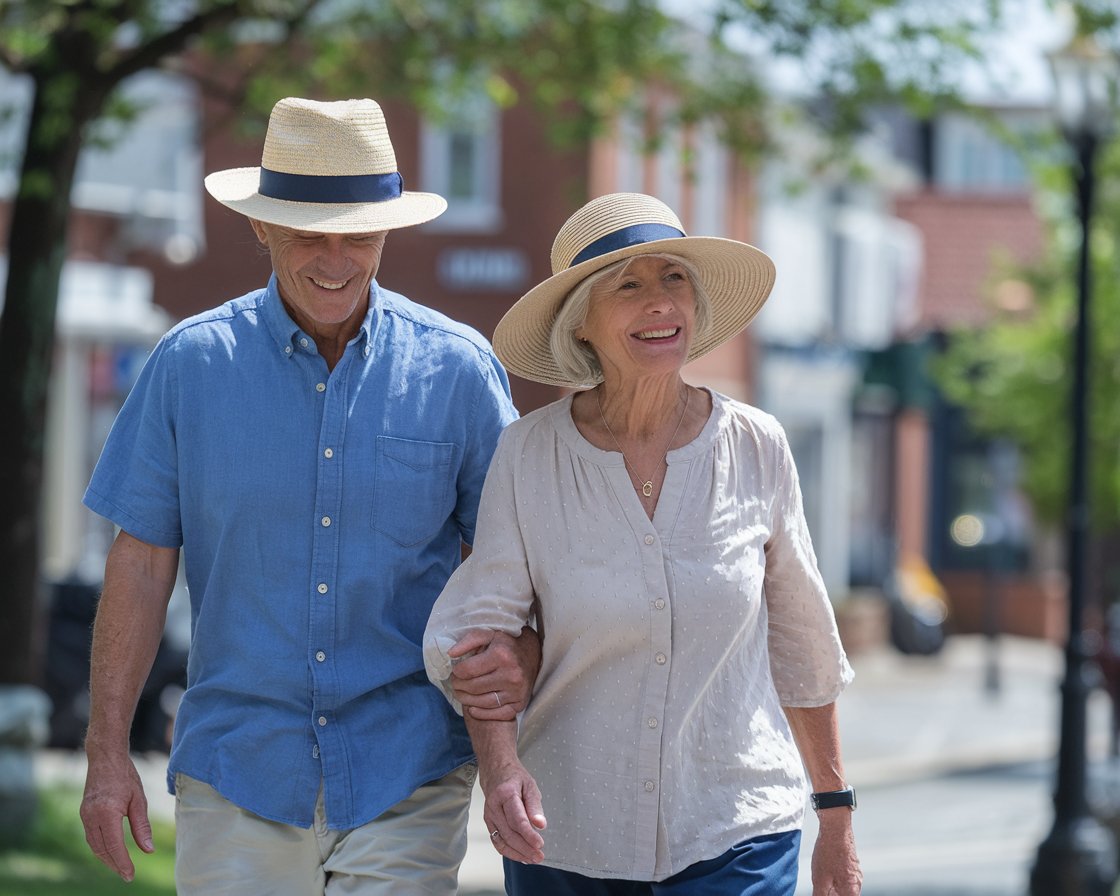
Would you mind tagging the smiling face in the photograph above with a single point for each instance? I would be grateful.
(641, 321)
(324, 278)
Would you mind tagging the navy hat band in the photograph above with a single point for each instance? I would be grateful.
(633, 235)
(343, 188)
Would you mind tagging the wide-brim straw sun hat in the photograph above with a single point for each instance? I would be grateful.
(737, 277)
(326, 167)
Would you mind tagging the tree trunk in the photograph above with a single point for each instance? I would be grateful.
(36, 251)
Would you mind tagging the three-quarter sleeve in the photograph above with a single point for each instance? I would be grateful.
(492, 588)
(807, 660)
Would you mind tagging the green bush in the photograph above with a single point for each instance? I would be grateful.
(55, 860)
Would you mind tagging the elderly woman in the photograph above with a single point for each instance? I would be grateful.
(655, 531)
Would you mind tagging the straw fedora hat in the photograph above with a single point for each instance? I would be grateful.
(326, 168)
(737, 277)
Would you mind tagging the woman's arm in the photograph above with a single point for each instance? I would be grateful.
(513, 812)
(835, 863)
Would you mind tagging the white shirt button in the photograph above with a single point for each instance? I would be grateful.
(659, 604)
(326, 521)
(649, 785)
(287, 349)
(303, 341)
(651, 722)
(648, 539)
(320, 656)
(328, 453)
(320, 387)
(322, 721)
(322, 588)
(660, 659)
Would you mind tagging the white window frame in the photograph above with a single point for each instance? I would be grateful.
(479, 120)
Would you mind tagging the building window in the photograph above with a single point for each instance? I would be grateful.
(711, 184)
(460, 159)
(970, 157)
(980, 519)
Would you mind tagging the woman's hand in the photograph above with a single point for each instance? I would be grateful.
(836, 870)
(494, 674)
(513, 814)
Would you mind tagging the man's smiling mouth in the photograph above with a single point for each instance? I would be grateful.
(329, 284)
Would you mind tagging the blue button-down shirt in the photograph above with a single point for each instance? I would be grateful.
(320, 514)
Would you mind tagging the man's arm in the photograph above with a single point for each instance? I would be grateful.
(139, 578)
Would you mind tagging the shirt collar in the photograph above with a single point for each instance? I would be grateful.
(287, 335)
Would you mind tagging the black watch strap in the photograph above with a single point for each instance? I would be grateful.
(834, 799)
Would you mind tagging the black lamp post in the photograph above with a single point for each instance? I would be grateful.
(1078, 856)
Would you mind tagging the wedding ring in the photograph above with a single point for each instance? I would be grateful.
(497, 699)
(493, 834)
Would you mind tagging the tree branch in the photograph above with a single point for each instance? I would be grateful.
(9, 61)
(150, 53)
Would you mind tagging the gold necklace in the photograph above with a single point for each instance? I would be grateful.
(647, 484)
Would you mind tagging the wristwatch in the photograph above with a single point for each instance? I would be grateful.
(834, 799)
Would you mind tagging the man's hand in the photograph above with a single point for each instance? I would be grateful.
(495, 673)
(113, 793)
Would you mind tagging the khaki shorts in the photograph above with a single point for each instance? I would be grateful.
(415, 847)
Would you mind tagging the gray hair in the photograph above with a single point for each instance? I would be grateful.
(577, 359)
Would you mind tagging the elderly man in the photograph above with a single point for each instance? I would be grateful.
(317, 449)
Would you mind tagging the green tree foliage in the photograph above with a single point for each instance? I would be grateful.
(580, 60)
(1014, 377)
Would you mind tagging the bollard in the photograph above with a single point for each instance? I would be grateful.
(24, 727)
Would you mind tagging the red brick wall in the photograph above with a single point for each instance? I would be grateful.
(1032, 606)
(964, 236)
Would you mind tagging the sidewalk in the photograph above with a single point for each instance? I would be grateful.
(908, 717)
(902, 719)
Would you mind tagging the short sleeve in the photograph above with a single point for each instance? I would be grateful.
(136, 481)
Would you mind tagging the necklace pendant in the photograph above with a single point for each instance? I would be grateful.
(647, 488)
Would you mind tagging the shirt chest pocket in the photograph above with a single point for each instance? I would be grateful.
(413, 494)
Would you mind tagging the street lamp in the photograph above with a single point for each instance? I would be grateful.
(1078, 856)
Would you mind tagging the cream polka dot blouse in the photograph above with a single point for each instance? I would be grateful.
(655, 731)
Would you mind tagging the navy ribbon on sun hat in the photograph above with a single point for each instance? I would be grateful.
(625, 237)
(331, 187)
